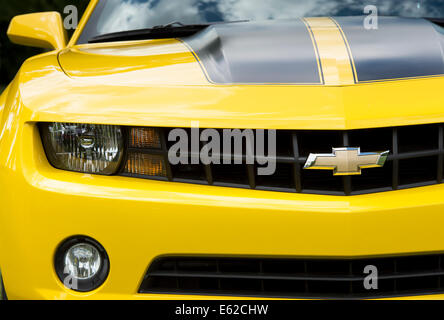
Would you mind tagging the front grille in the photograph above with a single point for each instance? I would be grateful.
(294, 278)
(416, 159)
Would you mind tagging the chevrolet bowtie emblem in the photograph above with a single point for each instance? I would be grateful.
(346, 161)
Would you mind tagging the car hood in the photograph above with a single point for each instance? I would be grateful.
(310, 51)
(318, 73)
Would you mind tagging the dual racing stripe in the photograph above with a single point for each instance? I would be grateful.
(319, 51)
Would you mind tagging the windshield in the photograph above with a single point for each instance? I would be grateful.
(125, 15)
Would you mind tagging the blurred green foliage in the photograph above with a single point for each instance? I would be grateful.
(12, 56)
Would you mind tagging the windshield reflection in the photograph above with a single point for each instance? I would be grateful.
(125, 15)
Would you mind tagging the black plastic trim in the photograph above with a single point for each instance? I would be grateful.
(3, 295)
(335, 278)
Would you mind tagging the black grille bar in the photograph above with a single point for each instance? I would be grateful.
(164, 152)
(441, 154)
(395, 159)
(296, 164)
(416, 159)
(346, 180)
(294, 278)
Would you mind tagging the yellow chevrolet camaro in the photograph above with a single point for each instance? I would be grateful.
(98, 200)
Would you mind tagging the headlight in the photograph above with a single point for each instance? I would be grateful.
(87, 148)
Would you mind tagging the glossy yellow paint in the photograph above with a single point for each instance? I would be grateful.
(171, 90)
(158, 83)
(138, 220)
(151, 61)
(42, 30)
(3, 96)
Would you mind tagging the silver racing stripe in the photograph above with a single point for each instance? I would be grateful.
(399, 48)
(270, 52)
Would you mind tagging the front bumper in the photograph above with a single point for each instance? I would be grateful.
(138, 220)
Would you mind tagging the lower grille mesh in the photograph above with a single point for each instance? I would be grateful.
(294, 278)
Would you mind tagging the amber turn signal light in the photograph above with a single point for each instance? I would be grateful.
(145, 165)
(147, 138)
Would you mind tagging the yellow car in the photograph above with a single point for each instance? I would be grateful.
(343, 194)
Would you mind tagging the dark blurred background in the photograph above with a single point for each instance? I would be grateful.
(12, 56)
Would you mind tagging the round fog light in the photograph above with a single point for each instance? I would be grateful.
(81, 264)
(83, 261)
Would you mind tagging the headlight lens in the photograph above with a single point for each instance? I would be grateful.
(87, 148)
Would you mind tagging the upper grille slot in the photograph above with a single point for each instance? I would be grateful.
(416, 159)
(294, 278)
